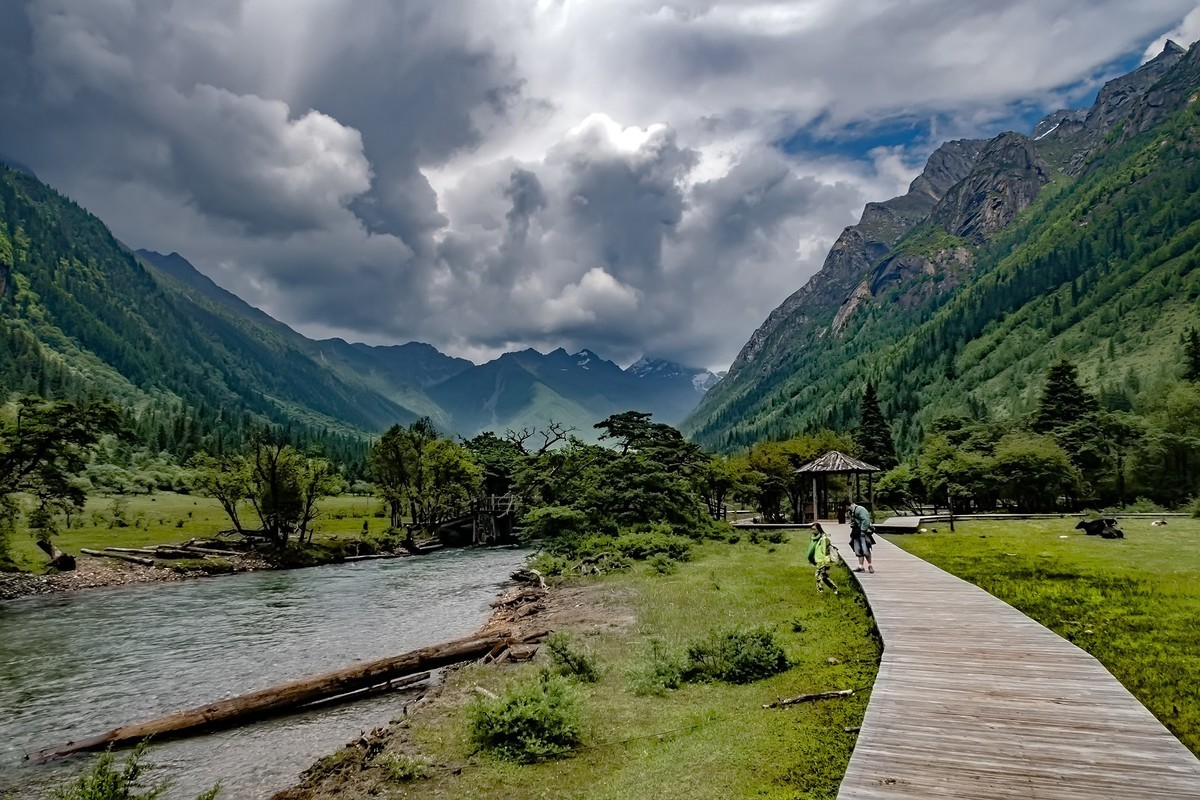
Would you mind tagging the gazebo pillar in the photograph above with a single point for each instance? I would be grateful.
(815, 516)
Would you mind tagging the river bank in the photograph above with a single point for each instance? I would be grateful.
(76, 664)
(696, 741)
(98, 573)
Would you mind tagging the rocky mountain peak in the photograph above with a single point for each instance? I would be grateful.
(1006, 177)
(860, 247)
(1117, 100)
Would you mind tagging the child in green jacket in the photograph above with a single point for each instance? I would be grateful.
(822, 554)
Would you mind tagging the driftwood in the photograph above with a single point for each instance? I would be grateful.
(372, 557)
(805, 698)
(145, 562)
(208, 551)
(58, 559)
(275, 699)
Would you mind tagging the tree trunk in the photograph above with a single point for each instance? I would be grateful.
(266, 702)
(58, 559)
(145, 562)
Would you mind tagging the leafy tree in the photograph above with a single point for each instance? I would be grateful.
(499, 459)
(419, 473)
(226, 479)
(873, 436)
(721, 478)
(43, 449)
(899, 487)
(1034, 471)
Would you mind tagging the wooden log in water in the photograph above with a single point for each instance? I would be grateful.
(145, 562)
(282, 697)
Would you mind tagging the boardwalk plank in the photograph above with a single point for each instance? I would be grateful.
(975, 700)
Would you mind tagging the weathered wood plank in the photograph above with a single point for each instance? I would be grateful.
(975, 700)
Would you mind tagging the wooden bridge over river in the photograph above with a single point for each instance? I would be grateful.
(976, 700)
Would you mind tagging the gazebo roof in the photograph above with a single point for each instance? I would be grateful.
(837, 462)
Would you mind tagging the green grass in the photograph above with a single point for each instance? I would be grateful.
(1133, 603)
(169, 518)
(710, 740)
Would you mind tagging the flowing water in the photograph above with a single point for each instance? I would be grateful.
(79, 664)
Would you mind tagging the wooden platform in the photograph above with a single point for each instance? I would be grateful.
(976, 700)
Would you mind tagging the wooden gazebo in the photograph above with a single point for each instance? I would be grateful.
(837, 463)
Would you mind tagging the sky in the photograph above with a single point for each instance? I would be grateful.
(635, 177)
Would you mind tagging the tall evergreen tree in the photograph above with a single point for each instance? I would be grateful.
(1191, 356)
(1064, 401)
(873, 435)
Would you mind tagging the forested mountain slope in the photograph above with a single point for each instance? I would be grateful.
(81, 316)
(194, 366)
(1080, 243)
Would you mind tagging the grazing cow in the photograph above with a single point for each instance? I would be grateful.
(1105, 528)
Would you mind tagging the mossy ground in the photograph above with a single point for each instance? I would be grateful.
(1133, 603)
(710, 740)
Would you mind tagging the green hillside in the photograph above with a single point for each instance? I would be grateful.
(1099, 269)
(82, 317)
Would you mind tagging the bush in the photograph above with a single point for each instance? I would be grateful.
(532, 722)
(551, 566)
(559, 527)
(402, 768)
(736, 657)
(571, 662)
(105, 781)
(775, 536)
(662, 672)
(662, 564)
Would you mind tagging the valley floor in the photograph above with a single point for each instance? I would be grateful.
(709, 740)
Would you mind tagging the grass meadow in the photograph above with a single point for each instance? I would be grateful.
(707, 740)
(1133, 603)
(168, 518)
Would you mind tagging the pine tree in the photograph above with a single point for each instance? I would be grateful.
(1191, 356)
(873, 435)
(1064, 400)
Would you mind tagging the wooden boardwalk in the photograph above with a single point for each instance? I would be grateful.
(976, 700)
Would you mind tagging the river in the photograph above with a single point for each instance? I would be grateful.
(78, 664)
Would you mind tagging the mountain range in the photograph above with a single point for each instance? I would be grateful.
(1078, 241)
(83, 315)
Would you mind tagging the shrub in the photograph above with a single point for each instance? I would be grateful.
(106, 781)
(662, 564)
(775, 536)
(401, 768)
(662, 672)
(551, 566)
(736, 657)
(531, 722)
(558, 526)
(572, 662)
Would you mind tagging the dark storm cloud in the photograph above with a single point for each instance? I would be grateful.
(488, 176)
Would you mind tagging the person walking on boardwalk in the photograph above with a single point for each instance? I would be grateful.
(821, 554)
(862, 534)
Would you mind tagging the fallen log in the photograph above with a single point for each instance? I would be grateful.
(372, 557)
(58, 559)
(275, 699)
(805, 698)
(145, 562)
(209, 551)
(136, 551)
